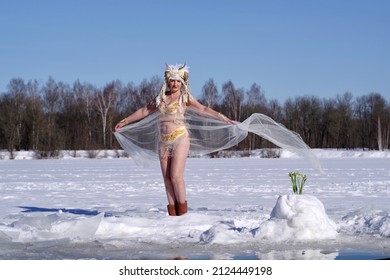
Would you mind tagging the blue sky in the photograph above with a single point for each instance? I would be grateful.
(290, 48)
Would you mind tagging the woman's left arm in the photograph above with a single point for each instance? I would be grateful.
(207, 110)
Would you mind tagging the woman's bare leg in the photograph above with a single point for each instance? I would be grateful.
(177, 166)
(165, 163)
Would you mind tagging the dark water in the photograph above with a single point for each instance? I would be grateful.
(65, 249)
(363, 255)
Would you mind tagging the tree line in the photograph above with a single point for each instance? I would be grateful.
(57, 116)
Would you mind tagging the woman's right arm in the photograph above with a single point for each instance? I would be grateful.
(137, 115)
(207, 110)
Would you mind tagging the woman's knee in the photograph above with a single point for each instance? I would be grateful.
(176, 179)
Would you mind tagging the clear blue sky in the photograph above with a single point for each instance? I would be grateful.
(290, 48)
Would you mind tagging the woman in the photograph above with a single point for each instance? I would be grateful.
(175, 123)
(174, 143)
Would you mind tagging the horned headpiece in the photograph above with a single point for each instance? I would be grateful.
(175, 72)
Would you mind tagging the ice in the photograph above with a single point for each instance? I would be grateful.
(52, 227)
(82, 229)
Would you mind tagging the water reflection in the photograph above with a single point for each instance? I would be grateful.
(306, 254)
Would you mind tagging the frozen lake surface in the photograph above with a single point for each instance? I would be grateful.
(110, 208)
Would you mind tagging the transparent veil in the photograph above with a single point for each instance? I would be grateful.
(208, 134)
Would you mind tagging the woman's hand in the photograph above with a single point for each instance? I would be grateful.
(231, 122)
(120, 124)
(226, 119)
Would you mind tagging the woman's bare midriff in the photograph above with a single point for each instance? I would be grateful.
(169, 126)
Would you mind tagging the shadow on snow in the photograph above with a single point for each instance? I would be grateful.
(31, 209)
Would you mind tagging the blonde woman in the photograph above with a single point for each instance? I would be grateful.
(174, 140)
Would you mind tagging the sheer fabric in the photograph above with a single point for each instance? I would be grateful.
(208, 134)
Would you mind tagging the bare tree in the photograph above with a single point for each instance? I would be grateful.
(380, 138)
(291, 114)
(303, 115)
(11, 116)
(255, 103)
(128, 100)
(72, 128)
(85, 97)
(275, 110)
(34, 117)
(327, 137)
(256, 100)
(210, 95)
(386, 128)
(233, 100)
(148, 90)
(105, 100)
(52, 104)
(370, 110)
(342, 125)
(378, 113)
(362, 114)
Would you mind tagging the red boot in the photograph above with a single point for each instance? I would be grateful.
(181, 208)
(171, 209)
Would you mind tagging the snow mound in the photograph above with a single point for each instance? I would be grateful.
(296, 218)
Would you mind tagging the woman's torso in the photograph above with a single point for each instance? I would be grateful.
(171, 116)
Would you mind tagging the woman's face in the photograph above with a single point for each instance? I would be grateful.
(175, 85)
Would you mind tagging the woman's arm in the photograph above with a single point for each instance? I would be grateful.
(208, 111)
(137, 115)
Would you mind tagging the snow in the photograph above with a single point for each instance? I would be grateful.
(104, 206)
(297, 217)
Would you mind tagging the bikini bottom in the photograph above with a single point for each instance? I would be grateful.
(170, 138)
(169, 142)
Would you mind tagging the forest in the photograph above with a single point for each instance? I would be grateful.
(52, 116)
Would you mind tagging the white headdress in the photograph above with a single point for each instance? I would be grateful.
(175, 72)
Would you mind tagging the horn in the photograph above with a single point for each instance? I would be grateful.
(184, 65)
